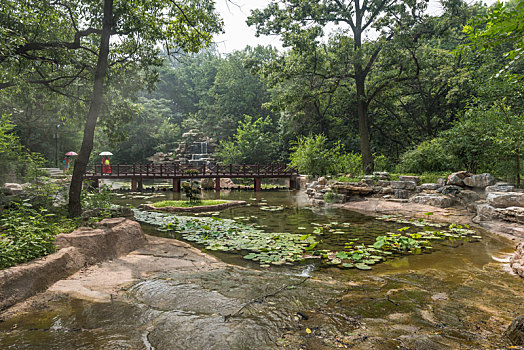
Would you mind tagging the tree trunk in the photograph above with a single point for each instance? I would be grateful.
(363, 125)
(75, 190)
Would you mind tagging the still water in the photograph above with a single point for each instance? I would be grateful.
(456, 297)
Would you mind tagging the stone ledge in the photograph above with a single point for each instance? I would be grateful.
(84, 246)
(197, 209)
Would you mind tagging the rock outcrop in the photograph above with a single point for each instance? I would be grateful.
(479, 180)
(505, 199)
(517, 260)
(112, 238)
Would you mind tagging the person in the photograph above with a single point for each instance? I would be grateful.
(108, 166)
(64, 163)
(104, 165)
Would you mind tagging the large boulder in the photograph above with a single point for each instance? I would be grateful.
(457, 178)
(500, 187)
(468, 196)
(403, 185)
(505, 199)
(11, 189)
(415, 179)
(433, 199)
(113, 238)
(517, 260)
(381, 175)
(322, 181)
(515, 331)
(430, 187)
(479, 180)
(486, 212)
(401, 194)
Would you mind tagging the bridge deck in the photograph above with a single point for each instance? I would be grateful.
(179, 171)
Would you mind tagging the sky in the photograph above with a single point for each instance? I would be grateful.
(238, 34)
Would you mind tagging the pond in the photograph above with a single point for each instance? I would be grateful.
(456, 296)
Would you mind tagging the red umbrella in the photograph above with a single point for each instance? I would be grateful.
(71, 153)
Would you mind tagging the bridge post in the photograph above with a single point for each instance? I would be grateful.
(140, 185)
(258, 184)
(133, 185)
(217, 184)
(176, 185)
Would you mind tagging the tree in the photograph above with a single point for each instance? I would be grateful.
(136, 28)
(253, 143)
(299, 22)
(501, 26)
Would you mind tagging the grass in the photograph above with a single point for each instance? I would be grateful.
(186, 204)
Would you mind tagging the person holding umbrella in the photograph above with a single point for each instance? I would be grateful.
(106, 164)
(68, 161)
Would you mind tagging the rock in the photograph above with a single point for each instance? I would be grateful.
(415, 179)
(430, 187)
(381, 175)
(458, 178)
(11, 189)
(322, 181)
(505, 199)
(113, 238)
(434, 199)
(517, 260)
(468, 196)
(441, 182)
(401, 194)
(515, 331)
(486, 212)
(479, 180)
(403, 185)
(368, 181)
(387, 190)
(318, 195)
(500, 187)
(312, 184)
(352, 190)
(450, 190)
(384, 183)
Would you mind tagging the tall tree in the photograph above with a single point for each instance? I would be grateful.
(298, 21)
(116, 33)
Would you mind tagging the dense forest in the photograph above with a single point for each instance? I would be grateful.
(390, 88)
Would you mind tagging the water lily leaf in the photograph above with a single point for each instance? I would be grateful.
(361, 266)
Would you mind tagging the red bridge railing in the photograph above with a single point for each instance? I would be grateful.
(175, 170)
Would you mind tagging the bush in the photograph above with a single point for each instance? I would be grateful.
(429, 156)
(26, 233)
(311, 155)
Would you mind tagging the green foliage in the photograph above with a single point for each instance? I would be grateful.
(26, 233)
(429, 156)
(501, 26)
(253, 143)
(312, 155)
(99, 199)
(192, 190)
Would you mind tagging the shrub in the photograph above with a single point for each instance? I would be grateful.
(26, 233)
(311, 155)
(429, 156)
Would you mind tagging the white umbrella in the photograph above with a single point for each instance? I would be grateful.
(105, 153)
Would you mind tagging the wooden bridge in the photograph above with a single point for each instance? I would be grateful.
(178, 172)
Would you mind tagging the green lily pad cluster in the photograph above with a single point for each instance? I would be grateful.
(268, 248)
(219, 234)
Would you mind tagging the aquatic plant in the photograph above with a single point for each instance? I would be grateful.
(269, 248)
